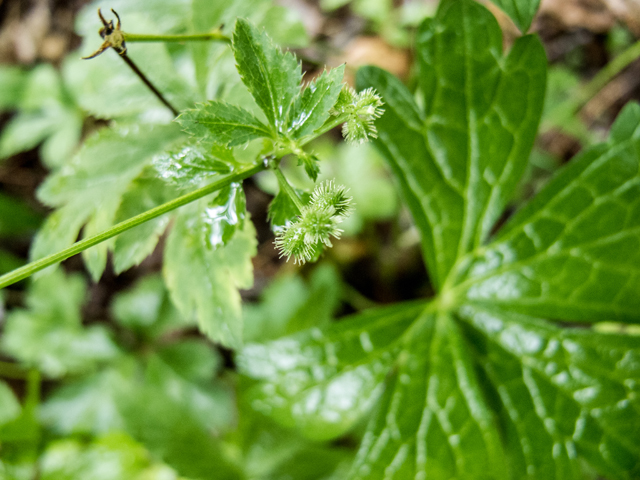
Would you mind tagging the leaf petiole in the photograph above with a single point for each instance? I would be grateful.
(33, 267)
(286, 186)
(197, 37)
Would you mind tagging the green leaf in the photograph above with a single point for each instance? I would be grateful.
(282, 209)
(224, 215)
(311, 108)
(520, 11)
(223, 123)
(572, 252)
(9, 406)
(111, 457)
(12, 81)
(288, 305)
(323, 380)
(147, 310)
(563, 392)
(49, 336)
(204, 281)
(90, 188)
(133, 246)
(191, 165)
(179, 416)
(272, 77)
(459, 161)
(87, 405)
(433, 420)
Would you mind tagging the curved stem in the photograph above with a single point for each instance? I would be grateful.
(33, 267)
(284, 184)
(197, 37)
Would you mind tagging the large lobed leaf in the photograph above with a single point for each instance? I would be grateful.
(459, 158)
(478, 386)
(573, 252)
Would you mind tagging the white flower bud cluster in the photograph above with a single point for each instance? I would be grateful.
(363, 108)
(305, 238)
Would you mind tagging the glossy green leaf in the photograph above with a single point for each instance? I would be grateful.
(323, 380)
(311, 107)
(520, 11)
(133, 246)
(459, 161)
(223, 123)
(90, 188)
(433, 420)
(223, 215)
(564, 394)
(190, 165)
(48, 334)
(204, 281)
(272, 77)
(572, 252)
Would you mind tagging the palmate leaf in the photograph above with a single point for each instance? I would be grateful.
(564, 393)
(433, 420)
(477, 389)
(573, 252)
(323, 380)
(459, 161)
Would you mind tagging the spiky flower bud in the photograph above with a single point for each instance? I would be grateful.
(362, 108)
(305, 238)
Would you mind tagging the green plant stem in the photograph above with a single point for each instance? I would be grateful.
(574, 104)
(148, 83)
(198, 37)
(328, 125)
(33, 267)
(13, 370)
(284, 183)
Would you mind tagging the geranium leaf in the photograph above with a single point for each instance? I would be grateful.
(565, 393)
(433, 420)
(459, 161)
(572, 253)
(323, 380)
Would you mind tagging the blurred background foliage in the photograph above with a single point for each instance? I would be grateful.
(105, 380)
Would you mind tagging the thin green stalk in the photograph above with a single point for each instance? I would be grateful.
(33, 267)
(198, 37)
(284, 183)
(574, 104)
